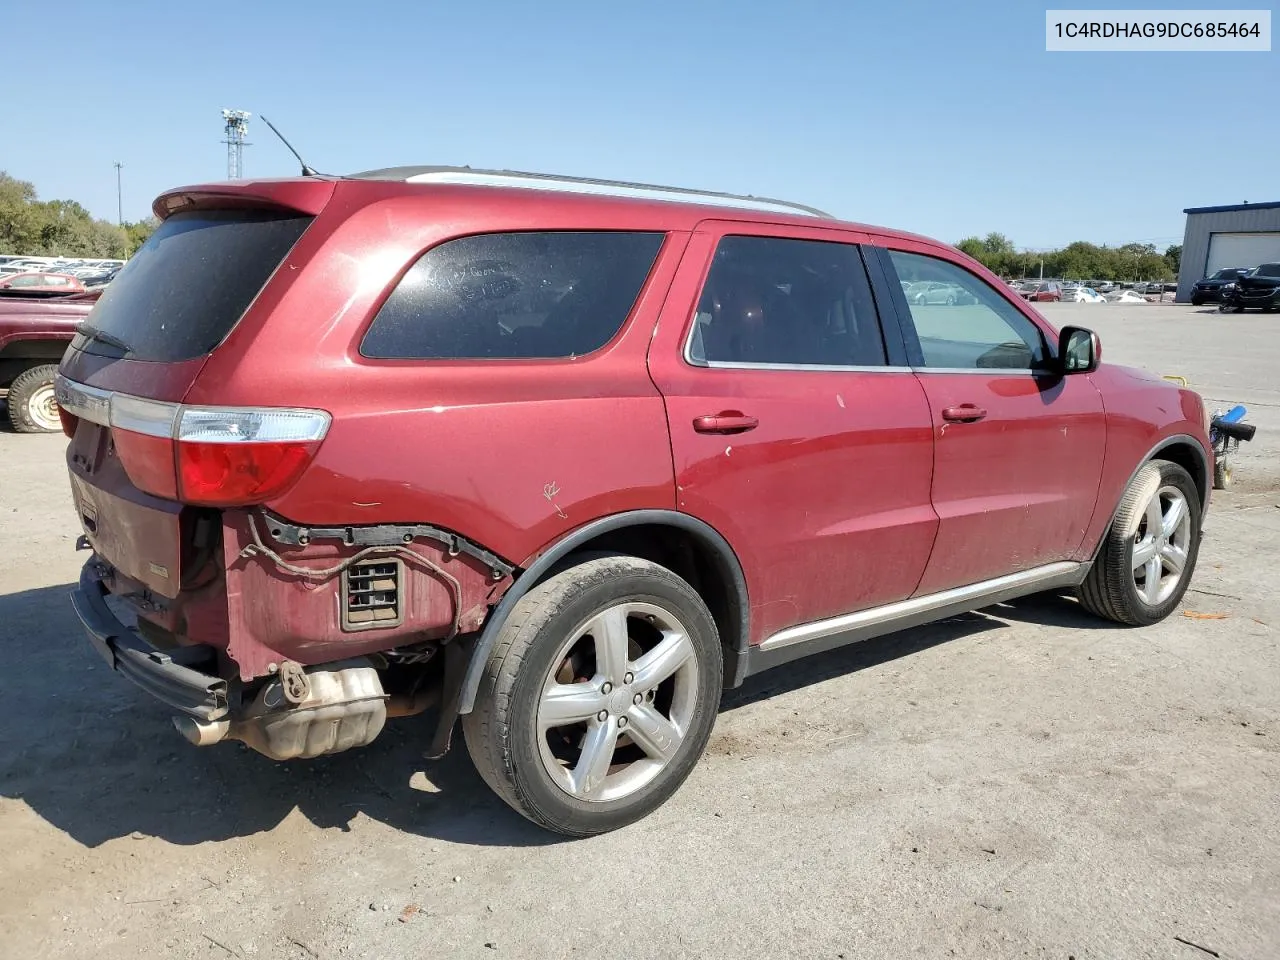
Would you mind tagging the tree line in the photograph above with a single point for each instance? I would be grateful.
(61, 228)
(1076, 261)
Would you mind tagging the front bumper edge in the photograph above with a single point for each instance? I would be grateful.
(165, 674)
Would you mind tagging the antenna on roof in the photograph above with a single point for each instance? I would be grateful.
(306, 170)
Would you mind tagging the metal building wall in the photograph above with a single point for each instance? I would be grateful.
(1203, 221)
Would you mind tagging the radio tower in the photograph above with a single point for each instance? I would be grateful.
(237, 127)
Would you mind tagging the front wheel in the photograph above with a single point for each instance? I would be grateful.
(599, 696)
(1197, 301)
(1149, 554)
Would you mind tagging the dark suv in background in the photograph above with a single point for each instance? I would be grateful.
(1210, 289)
(1259, 289)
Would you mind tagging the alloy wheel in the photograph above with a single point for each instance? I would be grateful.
(618, 701)
(1160, 546)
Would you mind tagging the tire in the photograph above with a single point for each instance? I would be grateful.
(1197, 302)
(1111, 589)
(1221, 473)
(31, 404)
(550, 641)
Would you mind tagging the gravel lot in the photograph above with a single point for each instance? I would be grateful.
(1025, 782)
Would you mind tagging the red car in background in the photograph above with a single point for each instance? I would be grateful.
(41, 284)
(1042, 291)
(567, 457)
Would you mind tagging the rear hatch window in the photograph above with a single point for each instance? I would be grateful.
(184, 290)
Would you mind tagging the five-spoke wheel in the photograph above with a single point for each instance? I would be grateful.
(600, 695)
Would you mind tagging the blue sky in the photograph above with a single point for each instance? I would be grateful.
(945, 118)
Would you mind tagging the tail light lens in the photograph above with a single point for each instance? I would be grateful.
(231, 456)
(211, 456)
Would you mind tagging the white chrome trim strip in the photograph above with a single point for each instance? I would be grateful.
(87, 403)
(916, 605)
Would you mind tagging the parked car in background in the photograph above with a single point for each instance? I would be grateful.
(1259, 289)
(299, 573)
(40, 284)
(34, 334)
(1210, 289)
(932, 292)
(1081, 294)
(1125, 296)
(1042, 291)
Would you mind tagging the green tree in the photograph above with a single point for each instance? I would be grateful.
(60, 228)
(1173, 257)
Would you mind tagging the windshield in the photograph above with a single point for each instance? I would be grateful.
(1230, 273)
(189, 284)
(1266, 270)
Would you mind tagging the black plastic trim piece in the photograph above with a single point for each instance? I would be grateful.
(735, 654)
(900, 309)
(165, 674)
(882, 286)
(384, 535)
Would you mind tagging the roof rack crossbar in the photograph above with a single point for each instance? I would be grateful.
(615, 188)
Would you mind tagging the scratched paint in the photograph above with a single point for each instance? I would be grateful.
(551, 491)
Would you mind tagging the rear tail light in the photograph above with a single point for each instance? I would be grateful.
(210, 456)
(230, 456)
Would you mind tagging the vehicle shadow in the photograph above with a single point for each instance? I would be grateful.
(98, 759)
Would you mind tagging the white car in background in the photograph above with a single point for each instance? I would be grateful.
(1125, 296)
(1082, 295)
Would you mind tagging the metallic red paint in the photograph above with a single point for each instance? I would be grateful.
(851, 491)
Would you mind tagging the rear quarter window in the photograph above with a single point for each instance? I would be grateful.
(183, 291)
(514, 296)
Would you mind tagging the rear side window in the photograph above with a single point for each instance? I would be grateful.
(183, 291)
(514, 296)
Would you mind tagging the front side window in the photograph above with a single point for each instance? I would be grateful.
(970, 327)
(511, 296)
(777, 301)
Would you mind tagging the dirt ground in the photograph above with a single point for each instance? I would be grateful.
(1024, 782)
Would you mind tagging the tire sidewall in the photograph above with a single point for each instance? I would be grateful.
(533, 781)
(21, 391)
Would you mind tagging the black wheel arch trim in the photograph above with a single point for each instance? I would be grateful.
(1177, 439)
(735, 654)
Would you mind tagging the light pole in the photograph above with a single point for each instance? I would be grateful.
(119, 196)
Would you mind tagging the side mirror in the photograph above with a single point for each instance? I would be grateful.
(1079, 350)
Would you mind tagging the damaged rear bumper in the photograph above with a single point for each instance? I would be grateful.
(171, 676)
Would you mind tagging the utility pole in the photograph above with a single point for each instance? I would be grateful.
(119, 196)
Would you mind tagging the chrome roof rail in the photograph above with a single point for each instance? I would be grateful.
(606, 188)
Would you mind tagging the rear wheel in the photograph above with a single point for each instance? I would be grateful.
(599, 697)
(1148, 556)
(32, 405)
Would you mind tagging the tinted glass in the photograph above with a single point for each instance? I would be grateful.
(513, 296)
(974, 327)
(1268, 270)
(769, 300)
(1230, 273)
(183, 291)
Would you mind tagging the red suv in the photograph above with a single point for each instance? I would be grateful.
(567, 457)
